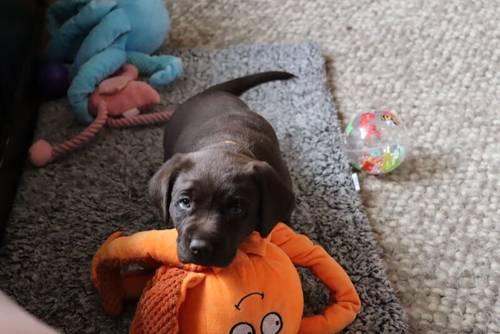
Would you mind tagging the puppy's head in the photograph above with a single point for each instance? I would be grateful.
(215, 199)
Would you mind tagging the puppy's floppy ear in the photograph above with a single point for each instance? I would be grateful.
(160, 185)
(276, 198)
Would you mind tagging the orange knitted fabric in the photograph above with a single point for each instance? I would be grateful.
(157, 309)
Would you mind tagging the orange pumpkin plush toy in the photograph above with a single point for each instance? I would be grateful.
(259, 292)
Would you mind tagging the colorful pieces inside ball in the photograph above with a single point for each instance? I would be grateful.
(376, 142)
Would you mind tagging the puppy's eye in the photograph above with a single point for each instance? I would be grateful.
(184, 203)
(235, 208)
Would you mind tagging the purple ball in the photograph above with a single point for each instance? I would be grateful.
(53, 80)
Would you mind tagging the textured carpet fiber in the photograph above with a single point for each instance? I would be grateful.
(63, 212)
(437, 64)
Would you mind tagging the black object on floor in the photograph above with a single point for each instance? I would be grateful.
(21, 27)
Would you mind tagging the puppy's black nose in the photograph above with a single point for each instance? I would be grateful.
(200, 247)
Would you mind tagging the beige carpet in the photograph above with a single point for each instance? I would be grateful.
(437, 64)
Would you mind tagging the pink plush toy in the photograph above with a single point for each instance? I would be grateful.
(117, 103)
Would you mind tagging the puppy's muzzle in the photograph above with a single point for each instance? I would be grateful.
(203, 251)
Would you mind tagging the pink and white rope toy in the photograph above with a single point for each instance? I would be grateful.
(116, 103)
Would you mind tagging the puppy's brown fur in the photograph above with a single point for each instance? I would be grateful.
(224, 176)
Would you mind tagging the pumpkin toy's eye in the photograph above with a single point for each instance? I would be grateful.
(242, 328)
(271, 323)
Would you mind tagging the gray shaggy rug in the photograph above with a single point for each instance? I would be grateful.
(63, 212)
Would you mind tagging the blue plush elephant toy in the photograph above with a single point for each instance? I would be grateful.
(99, 36)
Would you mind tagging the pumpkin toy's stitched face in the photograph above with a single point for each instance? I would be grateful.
(259, 293)
(270, 323)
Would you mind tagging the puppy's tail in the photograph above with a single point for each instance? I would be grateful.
(241, 85)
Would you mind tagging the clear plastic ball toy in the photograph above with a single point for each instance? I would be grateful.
(376, 142)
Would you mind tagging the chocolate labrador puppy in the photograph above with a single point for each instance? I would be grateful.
(224, 176)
